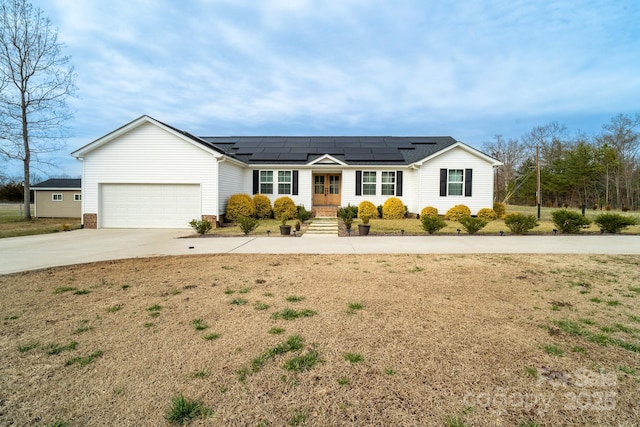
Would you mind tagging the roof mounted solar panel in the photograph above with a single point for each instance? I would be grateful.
(293, 156)
(388, 157)
(265, 156)
(421, 140)
(359, 157)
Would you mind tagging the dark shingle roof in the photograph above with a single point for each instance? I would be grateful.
(353, 150)
(70, 183)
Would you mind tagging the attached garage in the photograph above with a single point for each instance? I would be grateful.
(149, 205)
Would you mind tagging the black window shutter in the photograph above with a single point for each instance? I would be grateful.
(358, 183)
(256, 182)
(468, 176)
(294, 186)
(399, 183)
(443, 182)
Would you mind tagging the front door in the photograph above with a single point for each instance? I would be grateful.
(326, 190)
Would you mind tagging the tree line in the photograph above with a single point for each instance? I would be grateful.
(599, 171)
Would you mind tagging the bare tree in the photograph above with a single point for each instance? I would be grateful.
(37, 81)
(511, 153)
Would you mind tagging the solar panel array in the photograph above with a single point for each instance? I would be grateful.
(299, 148)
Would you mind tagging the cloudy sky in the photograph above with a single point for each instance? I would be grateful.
(466, 68)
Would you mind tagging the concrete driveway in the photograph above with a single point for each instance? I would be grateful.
(81, 246)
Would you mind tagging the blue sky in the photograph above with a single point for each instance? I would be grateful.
(466, 68)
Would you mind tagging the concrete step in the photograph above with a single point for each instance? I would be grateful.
(327, 226)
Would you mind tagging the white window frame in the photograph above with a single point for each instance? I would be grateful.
(388, 183)
(266, 182)
(77, 197)
(455, 184)
(368, 183)
(285, 182)
(57, 197)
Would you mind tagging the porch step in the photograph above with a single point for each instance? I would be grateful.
(325, 211)
(323, 226)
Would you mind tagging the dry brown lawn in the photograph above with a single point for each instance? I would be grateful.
(445, 340)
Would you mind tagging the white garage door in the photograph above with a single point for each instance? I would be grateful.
(149, 205)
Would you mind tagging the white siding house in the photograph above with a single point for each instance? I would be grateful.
(147, 174)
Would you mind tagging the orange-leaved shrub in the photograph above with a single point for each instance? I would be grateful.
(429, 211)
(393, 208)
(284, 206)
(487, 213)
(263, 206)
(500, 209)
(367, 209)
(239, 205)
(457, 212)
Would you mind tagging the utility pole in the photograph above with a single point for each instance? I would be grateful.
(538, 179)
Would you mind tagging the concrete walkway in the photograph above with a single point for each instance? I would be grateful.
(81, 246)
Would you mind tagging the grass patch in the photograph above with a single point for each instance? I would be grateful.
(627, 370)
(294, 298)
(569, 326)
(353, 306)
(53, 349)
(183, 410)
(244, 291)
(454, 421)
(239, 301)
(84, 361)
(64, 289)
(199, 324)
(635, 289)
(304, 362)
(200, 374)
(389, 371)
(596, 300)
(260, 306)
(613, 303)
(353, 357)
(154, 307)
(149, 325)
(531, 372)
(114, 308)
(290, 314)
(211, 337)
(82, 292)
(578, 349)
(298, 418)
(553, 350)
(276, 331)
(28, 347)
(343, 381)
(293, 343)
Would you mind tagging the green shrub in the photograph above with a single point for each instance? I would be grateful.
(284, 206)
(519, 223)
(393, 208)
(248, 224)
(263, 206)
(348, 210)
(432, 223)
(239, 205)
(472, 224)
(569, 222)
(613, 223)
(368, 209)
(500, 209)
(429, 211)
(303, 214)
(201, 227)
(457, 212)
(488, 214)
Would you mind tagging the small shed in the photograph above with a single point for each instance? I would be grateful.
(58, 198)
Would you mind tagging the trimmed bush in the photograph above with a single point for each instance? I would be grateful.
(472, 225)
(488, 214)
(303, 214)
(284, 206)
(367, 209)
(432, 223)
(457, 212)
(263, 206)
(248, 224)
(239, 205)
(614, 223)
(201, 227)
(348, 211)
(519, 223)
(393, 208)
(569, 222)
(429, 211)
(500, 209)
